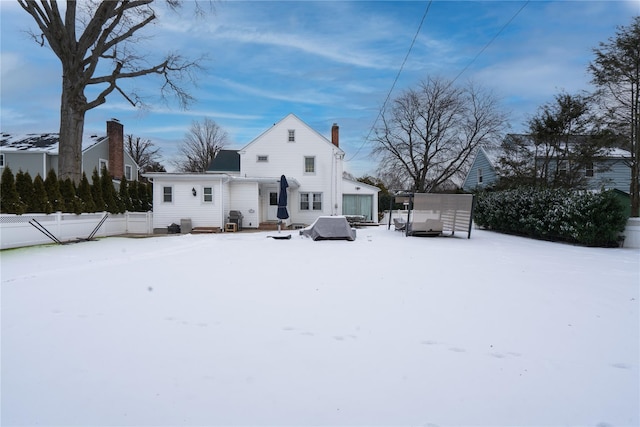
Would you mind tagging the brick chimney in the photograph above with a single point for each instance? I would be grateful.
(335, 135)
(115, 134)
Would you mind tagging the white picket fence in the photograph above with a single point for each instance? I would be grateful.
(18, 230)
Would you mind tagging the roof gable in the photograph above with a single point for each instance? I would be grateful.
(361, 184)
(279, 124)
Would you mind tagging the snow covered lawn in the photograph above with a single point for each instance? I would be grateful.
(240, 329)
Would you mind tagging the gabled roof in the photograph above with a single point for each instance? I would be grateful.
(361, 184)
(492, 153)
(320, 136)
(225, 161)
(40, 142)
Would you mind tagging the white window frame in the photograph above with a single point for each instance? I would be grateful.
(317, 201)
(590, 170)
(207, 195)
(101, 163)
(165, 194)
(313, 165)
(128, 172)
(261, 158)
(310, 201)
(291, 135)
(304, 201)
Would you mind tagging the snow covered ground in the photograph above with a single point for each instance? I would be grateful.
(240, 329)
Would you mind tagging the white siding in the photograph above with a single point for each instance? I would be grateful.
(244, 198)
(186, 206)
(287, 158)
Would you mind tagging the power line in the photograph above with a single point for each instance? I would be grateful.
(424, 16)
(456, 78)
(490, 41)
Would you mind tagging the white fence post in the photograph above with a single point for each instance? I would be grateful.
(632, 233)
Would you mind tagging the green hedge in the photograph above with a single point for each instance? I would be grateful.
(21, 194)
(586, 218)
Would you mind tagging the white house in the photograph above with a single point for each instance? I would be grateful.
(248, 180)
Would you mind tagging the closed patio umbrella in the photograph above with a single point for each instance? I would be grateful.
(282, 201)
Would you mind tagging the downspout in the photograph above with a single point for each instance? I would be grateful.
(221, 205)
(153, 196)
(333, 177)
(227, 179)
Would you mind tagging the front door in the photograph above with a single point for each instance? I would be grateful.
(272, 209)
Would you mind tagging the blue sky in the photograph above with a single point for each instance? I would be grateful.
(327, 62)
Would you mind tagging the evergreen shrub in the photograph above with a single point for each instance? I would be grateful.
(20, 194)
(581, 217)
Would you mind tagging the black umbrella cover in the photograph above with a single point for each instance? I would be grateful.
(282, 199)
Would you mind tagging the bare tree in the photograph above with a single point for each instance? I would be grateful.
(200, 146)
(102, 55)
(616, 72)
(143, 152)
(430, 133)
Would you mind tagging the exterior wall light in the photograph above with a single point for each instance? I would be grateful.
(193, 191)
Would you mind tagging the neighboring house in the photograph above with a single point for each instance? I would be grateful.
(610, 170)
(38, 153)
(247, 180)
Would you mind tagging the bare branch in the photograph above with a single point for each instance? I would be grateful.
(200, 146)
(109, 31)
(430, 133)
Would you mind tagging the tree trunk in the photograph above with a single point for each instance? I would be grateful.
(634, 191)
(635, 147)
(72, 111)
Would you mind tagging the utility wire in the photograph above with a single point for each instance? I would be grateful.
(456, 78)
(424, 16)
(490, 41)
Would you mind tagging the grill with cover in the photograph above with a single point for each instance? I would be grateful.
(236, 218)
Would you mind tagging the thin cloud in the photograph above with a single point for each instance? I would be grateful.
(326, 61)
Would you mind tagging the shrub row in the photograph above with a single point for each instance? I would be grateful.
(22, 194)
(586, 218)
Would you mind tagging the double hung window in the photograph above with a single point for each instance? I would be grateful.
(207, 194)
(310, 201)
(167, 194)
(309, 164)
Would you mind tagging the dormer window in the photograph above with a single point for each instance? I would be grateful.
(292, 135)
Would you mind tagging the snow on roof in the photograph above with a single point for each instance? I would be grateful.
(41, 142)
(494, 152)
